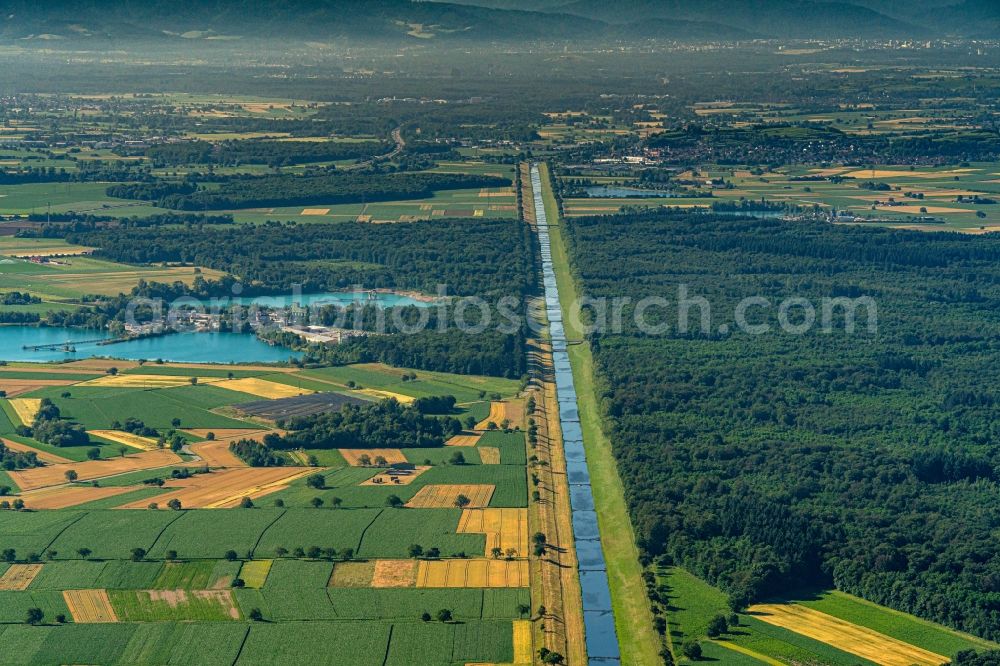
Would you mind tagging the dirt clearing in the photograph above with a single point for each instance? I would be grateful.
(52, 475)
(16, 387)
(442, 496)
(19, 576)
(356, 457)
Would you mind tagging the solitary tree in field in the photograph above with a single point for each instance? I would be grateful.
(444, 615)
(393, 501)
(380, 461)
(496, 552)
(71, 475)
(425, 616)
(316, 481)
(231, 555)
(462, 501)
(122, 450)
(692, 650)
(416, 550)
(35, 616)
(280, 551)
(279, 503)
(246, 503)
(84, 553)
(458, 458)
(256, 615)
(317, 502)
(9, 555)
(171, 555)
(365, 460)
(336, 502)
(112, 371)
(93, 453)
(717, 626)
(523, 609)
(138, 554)
(174, 504)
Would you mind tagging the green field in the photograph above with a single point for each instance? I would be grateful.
(99, 407)
(381, 377)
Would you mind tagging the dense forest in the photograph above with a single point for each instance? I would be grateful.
(472, 257)
(272, 153)
(289, 190)
(768, 463)
(386, 424)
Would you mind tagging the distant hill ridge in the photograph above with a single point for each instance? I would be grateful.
(406, 20)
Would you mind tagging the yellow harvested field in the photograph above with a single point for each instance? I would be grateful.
(26, 409)
(400, 398)
(263, 388)
(315, 211)
(523, 654)
(226, 488)
(443, 496)
(19, 576)
(498, 412)
(90, 606)
(490, 455)
(845, 636)
(504, 528)
(509, 410)
(354, 456)
(479, 573)
(254, 573)
(395, 573)
(401, 477)
(145, 381)
(127, 438)
(62, 497)
(464, 440)
(44, 456)
(52, 475)
(834, 171)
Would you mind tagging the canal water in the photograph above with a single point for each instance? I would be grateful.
(598, 618)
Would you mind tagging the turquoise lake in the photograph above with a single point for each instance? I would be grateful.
(178, 347)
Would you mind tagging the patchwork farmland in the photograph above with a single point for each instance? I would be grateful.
(158, 532)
